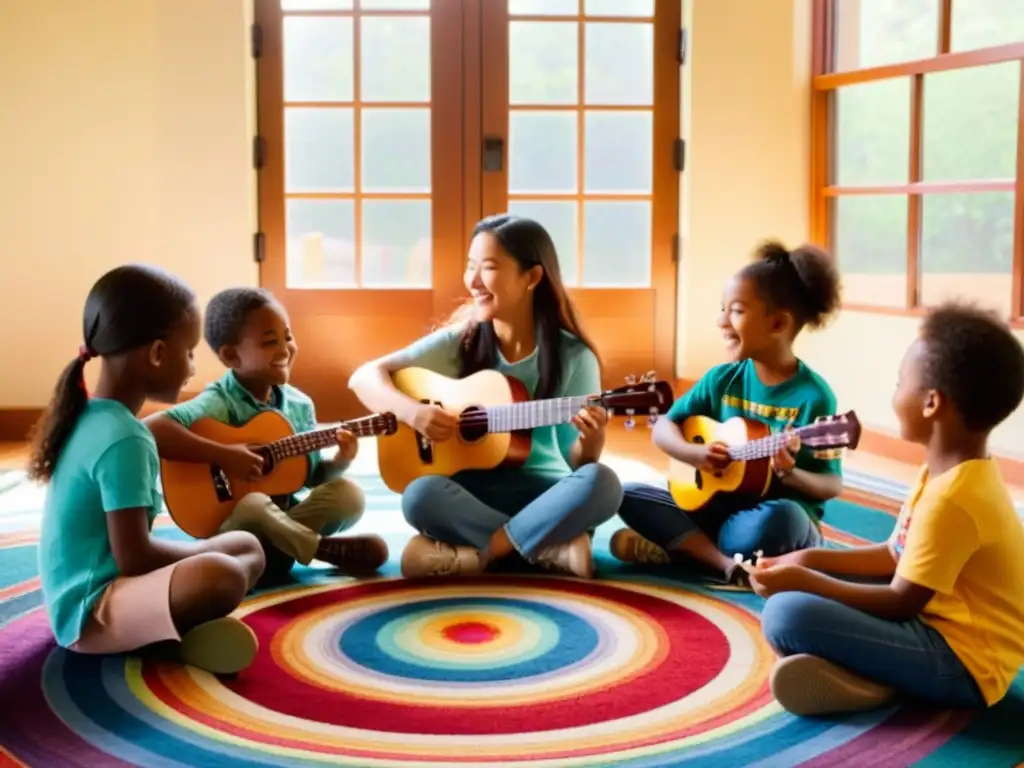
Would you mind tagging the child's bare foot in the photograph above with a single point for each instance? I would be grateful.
(353, 554)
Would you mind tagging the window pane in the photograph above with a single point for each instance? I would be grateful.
(617, 244)
(619, 64)
(318, 150)
(559, 219)
(619, 7)
(970, 123)
(870, 33)
(316, 5)
(870, 244)
(318, 61)
(321, 243)
(544, 7)
(542, 65)
(982, 23)
(967, 249)
(873, 133)
(542, 152)
(396, 243)
(618, 152)
(395, 52)
(396, 150)
(394, 5)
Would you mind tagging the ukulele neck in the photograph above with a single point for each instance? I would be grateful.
(318, 439)
(763, 447)
(534, 413)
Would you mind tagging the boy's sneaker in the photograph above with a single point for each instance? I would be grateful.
(353, 554)
(573, 558)
(808, 685)
(223, 646)
(630, 547)
(427, 557)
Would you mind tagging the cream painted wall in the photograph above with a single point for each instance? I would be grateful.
(746, 112)
(125, 132)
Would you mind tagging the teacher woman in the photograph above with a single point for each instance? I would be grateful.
(519, 321)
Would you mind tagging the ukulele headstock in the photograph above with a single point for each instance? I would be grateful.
(646, 396)
(838, 431)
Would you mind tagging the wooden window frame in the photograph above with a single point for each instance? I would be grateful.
(825, 82)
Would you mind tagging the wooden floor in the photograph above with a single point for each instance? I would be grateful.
(635, 444)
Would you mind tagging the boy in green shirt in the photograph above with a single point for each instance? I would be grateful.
(248, 330)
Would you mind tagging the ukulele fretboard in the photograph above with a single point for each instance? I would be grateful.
(534, 413)
(811, 435)
(307, 442)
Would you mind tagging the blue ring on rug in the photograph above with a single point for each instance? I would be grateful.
(577, 639)
(385, 638)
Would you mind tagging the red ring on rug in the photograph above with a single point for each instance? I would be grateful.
(697, 652)
(470, 632)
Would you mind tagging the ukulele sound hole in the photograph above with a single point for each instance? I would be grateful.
(221, 484)
(473, 424)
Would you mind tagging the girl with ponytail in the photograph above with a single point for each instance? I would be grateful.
(108, 584)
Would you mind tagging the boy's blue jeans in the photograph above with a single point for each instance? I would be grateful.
(909, 656)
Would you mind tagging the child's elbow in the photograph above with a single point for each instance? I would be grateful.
(832, 487)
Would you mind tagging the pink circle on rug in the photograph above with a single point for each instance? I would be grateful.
(471, 632)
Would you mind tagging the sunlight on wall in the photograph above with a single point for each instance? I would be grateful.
(117, 147)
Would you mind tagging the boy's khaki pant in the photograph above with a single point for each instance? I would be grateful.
(334, 506)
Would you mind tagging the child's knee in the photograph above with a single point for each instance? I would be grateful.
(346, 500)
(786, 617)
(250, 507)
(223, 578)
(605, 490)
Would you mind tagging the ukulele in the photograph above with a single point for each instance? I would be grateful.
(200, 496)
(751, 445)
(496, 417)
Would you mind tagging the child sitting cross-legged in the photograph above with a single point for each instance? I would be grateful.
(943, 621)
(250, 333)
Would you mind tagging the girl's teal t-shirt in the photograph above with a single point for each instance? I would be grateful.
(109, 463)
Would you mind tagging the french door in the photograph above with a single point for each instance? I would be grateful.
(389, 127)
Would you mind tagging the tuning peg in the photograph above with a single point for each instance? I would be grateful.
(630, 379)
(652, 420)
(629, 423)
(648, 377)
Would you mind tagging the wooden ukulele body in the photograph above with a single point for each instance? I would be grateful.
(692, 489)
(200, 497)
(407, 455)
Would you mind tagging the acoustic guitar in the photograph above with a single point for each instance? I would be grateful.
(495, 419)
(200, 496)
(751, 445)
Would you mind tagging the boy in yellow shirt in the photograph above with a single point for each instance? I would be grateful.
(947, 623)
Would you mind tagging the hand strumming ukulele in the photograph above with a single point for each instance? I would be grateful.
(200, 497)
(495, 419)
(751, 446)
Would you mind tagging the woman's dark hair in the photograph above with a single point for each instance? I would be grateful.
(128, 307)
(528, 243)
(804, 282)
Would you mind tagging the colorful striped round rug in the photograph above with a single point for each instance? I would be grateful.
(629, 669)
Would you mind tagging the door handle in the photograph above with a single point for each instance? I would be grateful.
(494, 153)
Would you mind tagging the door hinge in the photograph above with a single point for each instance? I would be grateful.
(259, 247)
(675, 248)
(684, 39)
(256, 40)
(679, 154)
(259, 152)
